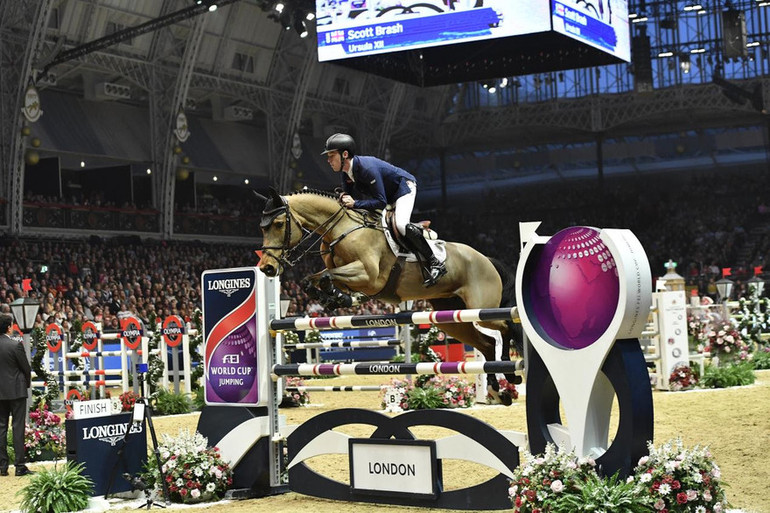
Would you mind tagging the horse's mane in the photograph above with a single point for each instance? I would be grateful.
(361, 216)
(317, 192)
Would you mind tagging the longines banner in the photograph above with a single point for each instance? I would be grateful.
(97, 443)
(231, 320)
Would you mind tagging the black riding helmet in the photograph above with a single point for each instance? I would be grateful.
(340, 143)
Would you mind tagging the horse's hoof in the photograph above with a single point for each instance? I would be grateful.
(503, 398)
(514, 379)
(326, 284)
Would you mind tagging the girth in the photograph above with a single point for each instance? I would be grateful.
(388, 292)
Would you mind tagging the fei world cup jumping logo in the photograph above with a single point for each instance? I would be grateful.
(584, 297)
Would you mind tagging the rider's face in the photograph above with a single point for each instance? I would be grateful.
(335, 161)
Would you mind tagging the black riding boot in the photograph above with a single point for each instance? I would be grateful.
(433, 267)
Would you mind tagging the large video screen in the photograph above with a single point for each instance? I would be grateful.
(353, 28)
(602, 24)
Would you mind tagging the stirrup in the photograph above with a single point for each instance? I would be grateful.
(435, 272)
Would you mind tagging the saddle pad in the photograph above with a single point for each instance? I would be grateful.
(437, 246)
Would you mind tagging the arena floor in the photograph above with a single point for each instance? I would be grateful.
(734, 423)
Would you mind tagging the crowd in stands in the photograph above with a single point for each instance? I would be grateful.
(704, 222)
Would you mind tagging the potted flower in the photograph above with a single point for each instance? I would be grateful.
(44, 437)
(193, 472)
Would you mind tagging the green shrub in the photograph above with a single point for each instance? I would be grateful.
(736, 375)
(604, 494)
(761, 359)
(56, 490)
(424, 398)
(399, 358)
(169, 403)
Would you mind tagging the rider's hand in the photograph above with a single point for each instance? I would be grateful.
(347, 201)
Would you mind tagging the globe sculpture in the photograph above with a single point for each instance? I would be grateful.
(575, 288)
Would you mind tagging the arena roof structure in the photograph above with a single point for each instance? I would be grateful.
(113, 77)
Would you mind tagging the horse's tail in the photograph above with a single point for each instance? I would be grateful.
(508, 299)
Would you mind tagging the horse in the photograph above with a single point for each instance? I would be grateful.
(358, 259)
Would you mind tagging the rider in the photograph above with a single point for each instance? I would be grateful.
(384, 184)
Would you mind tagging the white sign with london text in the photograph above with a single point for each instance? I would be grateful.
(393, 467)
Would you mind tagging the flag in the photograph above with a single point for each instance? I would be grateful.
(25, 285)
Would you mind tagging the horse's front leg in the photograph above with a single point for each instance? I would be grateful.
(356, 276)
(352, 277)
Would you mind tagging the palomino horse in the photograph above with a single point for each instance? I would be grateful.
(358, 259)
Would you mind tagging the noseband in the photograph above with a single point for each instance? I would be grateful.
(268, 216)
(287, 258)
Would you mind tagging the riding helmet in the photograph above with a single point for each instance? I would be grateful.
(340, 142)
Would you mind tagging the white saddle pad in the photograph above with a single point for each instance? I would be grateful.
(437, 246)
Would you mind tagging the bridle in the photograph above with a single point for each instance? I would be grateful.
(288, 257)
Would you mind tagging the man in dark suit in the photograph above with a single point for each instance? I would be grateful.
(15, 379)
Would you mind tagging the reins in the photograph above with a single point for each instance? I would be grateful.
(291, 254)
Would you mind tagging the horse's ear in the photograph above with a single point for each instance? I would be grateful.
(275, 196)
(259, 196)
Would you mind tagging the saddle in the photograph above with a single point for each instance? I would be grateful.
(403, 253)
(396, 239)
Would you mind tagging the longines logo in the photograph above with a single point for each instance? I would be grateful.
(229, 286)
(110, 433)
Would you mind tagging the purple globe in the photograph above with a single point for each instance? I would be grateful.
(574, 289)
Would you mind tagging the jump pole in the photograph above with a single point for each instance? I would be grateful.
(396, 319)
(379, 369)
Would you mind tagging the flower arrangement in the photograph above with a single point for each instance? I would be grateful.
(754, 319)
(671, 479)
(725, 342)
(681, 480)
(295, 397)
(313, 336)
(193, 471)
(431, 392)
(128, 400)
(682, 378)
(544, 480)
(457, 393)
(44, 434)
